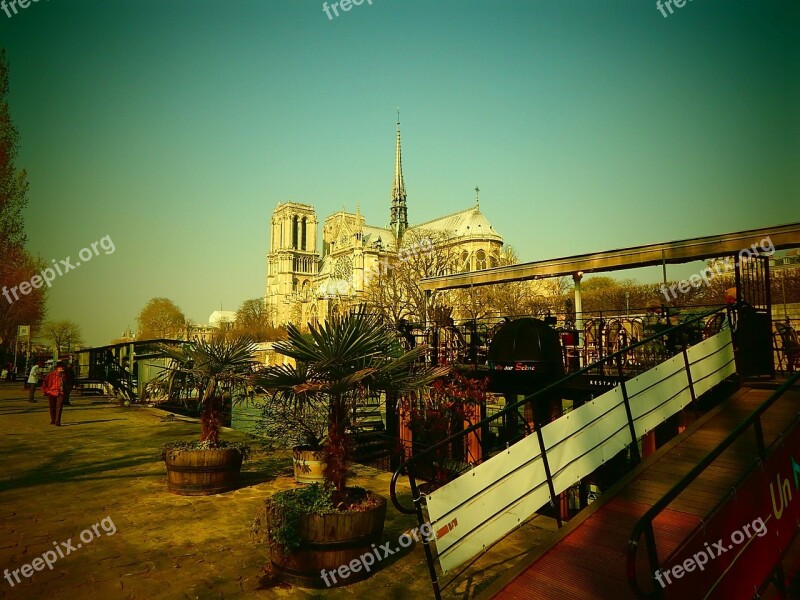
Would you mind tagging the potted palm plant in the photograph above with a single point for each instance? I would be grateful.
(339, 364)
(300, 422)
(219, 370)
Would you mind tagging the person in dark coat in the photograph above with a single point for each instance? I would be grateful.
(69, 382)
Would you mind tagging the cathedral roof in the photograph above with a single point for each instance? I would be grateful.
(465, 223)
(372, 234)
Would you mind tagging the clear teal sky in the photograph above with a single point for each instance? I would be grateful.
(175, 128)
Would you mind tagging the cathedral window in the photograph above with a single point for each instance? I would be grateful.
(480, 260)
(294, 232)
(303, 241)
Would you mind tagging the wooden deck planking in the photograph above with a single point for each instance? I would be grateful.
(589, 561)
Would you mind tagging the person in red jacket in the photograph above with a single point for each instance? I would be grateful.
(53, 388)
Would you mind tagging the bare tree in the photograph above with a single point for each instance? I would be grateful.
(511, 299)
(17, 266)
(254, 319)
(63, 334)
(161, 318)
(393, 289)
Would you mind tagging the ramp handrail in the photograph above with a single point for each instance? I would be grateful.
(645, 523)
(514, 406)
(407, 465)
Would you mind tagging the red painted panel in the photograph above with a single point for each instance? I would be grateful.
(744, 541)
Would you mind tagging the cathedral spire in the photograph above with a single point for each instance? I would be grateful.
(399, 220)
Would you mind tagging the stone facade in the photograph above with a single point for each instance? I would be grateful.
(306, 285)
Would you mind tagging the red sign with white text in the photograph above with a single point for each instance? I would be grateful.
(743, 542)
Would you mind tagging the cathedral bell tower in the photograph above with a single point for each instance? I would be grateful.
(292, 261)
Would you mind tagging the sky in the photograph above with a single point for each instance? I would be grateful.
(175, 128)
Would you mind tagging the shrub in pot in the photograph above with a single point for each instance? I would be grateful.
(451, 404)
(287, 421)
(339, 364)
(219, 369)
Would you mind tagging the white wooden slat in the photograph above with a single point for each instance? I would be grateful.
(666, 409)
(520, 471)
(460, 550)
(641, 389)
(481, 506)
(711, 361)
(581, 448)
(557, 430)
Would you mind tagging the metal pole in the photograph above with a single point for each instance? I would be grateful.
(551, 487)
(737, 274)
(626, 401)
(576, 277)
(768, 300)
(16, 345)
(652, 553)
(689, 374)
(426, 540)
(783, 288)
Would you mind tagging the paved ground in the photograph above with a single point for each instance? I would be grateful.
(103, 467)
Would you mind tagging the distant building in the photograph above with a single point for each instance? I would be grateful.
(218, 317)
(217, 320)
(304, 284)
(789, 260)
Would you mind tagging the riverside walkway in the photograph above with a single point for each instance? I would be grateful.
(104, 464)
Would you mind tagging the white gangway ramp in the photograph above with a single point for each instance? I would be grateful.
(474, 511)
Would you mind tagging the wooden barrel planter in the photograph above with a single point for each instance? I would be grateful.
(328, 542)
(309, 465)
(203, 472)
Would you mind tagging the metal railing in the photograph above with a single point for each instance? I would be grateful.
(645, 524)
(601, 333)
(617, 358)
(786, 344)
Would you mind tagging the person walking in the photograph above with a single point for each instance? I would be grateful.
(69, 382)
(53, 388)
(33, 381)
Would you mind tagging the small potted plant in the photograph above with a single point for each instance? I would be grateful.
(298, 422)
(339, 364)
(220, 371)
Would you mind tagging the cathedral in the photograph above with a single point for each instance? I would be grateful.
(306, 284)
